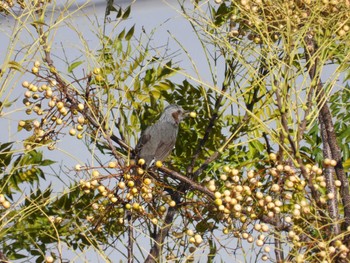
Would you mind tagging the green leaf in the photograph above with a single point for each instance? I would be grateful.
(213, 251)
(126, 13)
(47, 162)
(7, 103)
(221, 14)
(120, 12)
(5, 154)
(130, 33)
(346, 164)
(74, 65)
(121, 34)
(15, 65)
(110, 8)
(162, 86)
(17, 256)
(38, 23)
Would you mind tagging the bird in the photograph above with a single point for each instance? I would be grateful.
(157, 141)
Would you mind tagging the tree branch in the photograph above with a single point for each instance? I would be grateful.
(331, 188)
(328, 132)
(155, 251)
(187, 181)
(131, 238)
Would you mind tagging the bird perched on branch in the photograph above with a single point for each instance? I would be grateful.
(157, 141)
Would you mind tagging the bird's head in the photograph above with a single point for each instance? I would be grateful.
(174, 114)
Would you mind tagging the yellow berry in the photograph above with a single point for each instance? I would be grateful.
(22, 123)
(101, 188)
(273, 157)
(112, 165)
(189, 232)
(35, 70)
(99, 78)
(147, 181)
(141, 162)
(333, 163)
(259, 242)
(59, 105)
(218, 201)
(49, 259)
(80, 106)
(48, 93)
(6, 204)
(81, 120)
(97, 71)
(341, 32)
(72, 132)
(95, 173)
(121, 185)
(25, 84)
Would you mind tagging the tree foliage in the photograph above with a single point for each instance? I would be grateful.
(260, 173)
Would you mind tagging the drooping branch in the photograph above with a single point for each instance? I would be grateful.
(70, 96)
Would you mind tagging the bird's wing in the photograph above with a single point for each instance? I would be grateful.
(145, 137)
(163, 150)
(166, 142)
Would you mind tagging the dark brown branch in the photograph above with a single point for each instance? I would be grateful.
(331, 188)
(155, 251)
(188, 181)
(131, 239)
(325, 117)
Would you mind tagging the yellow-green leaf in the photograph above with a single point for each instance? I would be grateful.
(15, 65)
